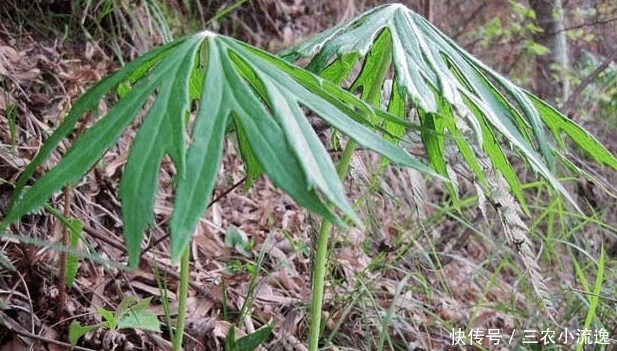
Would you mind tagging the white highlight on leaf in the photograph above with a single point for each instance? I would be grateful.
(207, 34)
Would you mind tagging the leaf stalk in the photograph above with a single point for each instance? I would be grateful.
(182, 298)
(320, 264)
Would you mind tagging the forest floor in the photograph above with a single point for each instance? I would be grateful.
(416, 283)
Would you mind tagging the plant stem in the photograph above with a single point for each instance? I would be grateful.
(372, 95)
(345, 160)
(182, 297)
(320, 259)
(61, 299)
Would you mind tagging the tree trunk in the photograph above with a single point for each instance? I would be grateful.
(551, 78)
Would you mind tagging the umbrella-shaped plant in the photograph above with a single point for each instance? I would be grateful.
(222, 85)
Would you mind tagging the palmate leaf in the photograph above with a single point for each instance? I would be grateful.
(429, 68)
(233, 86)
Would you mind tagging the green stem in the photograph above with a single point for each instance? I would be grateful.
(370, 94)
(182, 297)
(320, 260)
(343, 164)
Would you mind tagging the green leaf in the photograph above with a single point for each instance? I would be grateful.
(535, 48)
(429, 68)
(595, 295)
(81, 156)
(253, 168)
(238, 240)
(396, 107)
(76, 331)
(140, 319)
(6, 263)
(339, 68)
(374, 70)
(582, 138)
(109, 318)
(126, 304)
(252, 341)
(257, 94)
(72, 261)
(162, 132)
(133, 313)
(434, 143)
(230, 340)
(335, 106)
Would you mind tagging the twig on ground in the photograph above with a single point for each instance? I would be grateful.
(569, 104)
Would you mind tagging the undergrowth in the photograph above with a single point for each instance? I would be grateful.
(124, 28)
(474, 280)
